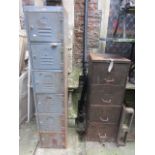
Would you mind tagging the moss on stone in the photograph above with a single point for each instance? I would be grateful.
(73, 77)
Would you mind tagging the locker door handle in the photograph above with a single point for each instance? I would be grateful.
(104, 120)
(53, 45)
(31, 27)
(106, 101)
(34, 57)
(34, 35)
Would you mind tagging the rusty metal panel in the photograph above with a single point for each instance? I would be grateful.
(101, 75)
(52, 140)
(51, 122)
(107, 79)
(49, 103)
(106, 95)
(47, 56)
(44, 24)
(104, 114)
(101, 132)
(48, 82)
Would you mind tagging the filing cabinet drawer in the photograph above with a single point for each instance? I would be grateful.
(101, 132)
(47, 56)
(52, 140)
(106, 94)
(100, 75)
(51, 122)
(50, 103)
(45, 26)
(48, 82)
(104, 114)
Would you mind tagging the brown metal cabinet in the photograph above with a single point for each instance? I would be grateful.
(107, 76)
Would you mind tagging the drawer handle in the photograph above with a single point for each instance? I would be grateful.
(53, 45)
(109, 80)
(102, 138)
(106, 101)
(104, 120)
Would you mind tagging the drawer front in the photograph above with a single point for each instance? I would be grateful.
(104, 114)
(52, 140)
(50, 103)
(47, 56)
(101, 133)
(100, 75)
(48, 82)
(106, 94)
(51, 122)
(45, 26)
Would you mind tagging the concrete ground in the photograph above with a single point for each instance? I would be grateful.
(29, 144)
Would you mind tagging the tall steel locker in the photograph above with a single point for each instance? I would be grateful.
(44, 27)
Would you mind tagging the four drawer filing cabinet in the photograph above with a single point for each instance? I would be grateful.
(107, 76)
(44, 27)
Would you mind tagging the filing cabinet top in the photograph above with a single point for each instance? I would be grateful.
(96, 57)
(43, 9)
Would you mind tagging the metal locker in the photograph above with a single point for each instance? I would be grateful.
(50, 103)
(48, 82)
(44, 27)
(44, 24)
(47, 56)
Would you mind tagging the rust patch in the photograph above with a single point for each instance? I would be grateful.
(52, 140)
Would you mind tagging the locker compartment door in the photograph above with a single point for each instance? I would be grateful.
(47, 56)
(45, 26)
